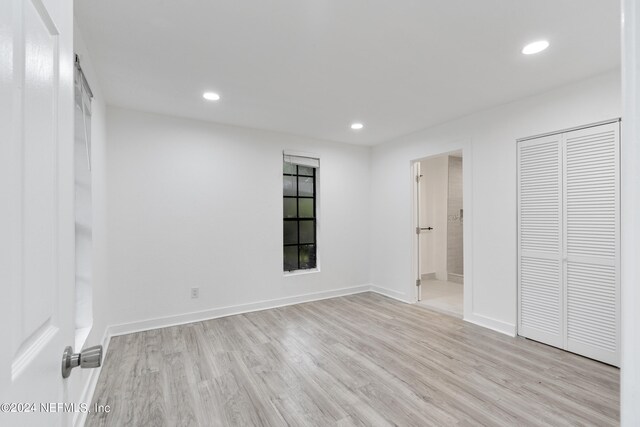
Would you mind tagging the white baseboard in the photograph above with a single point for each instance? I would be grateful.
(90, 386)
(181, 319)
(400, 296)
(493, 324)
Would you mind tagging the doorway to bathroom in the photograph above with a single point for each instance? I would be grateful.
(439, 232)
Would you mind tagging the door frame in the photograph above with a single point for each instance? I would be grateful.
(454, 147)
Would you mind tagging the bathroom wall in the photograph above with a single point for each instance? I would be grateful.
(433, 213)
(455, 264)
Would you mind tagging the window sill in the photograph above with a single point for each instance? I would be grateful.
(301, 272)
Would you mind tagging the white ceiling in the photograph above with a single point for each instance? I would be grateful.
(311, 67)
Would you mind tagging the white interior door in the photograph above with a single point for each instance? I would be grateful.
(540, 291)
(37, 220)
(416, 197)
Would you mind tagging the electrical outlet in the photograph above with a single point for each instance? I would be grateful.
(195, 293)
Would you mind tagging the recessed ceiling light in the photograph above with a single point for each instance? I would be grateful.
(357, 126)
(211, 96)
(535, 47)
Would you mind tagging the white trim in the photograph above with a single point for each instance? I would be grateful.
(399, 296)
(215, 313)
(464, 146)
(467, 228)
(197, 316)
(300, 158)
(300, 154)
(630, 208)
(90, 387)
(300, 272)
(302, 161)
(557, 132)
(490, 323)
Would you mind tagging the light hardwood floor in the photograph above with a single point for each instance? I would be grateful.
(357, 360)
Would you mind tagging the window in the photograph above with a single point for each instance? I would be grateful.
(82, 207)
(299, 183)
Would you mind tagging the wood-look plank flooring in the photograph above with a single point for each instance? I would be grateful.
(358, 360)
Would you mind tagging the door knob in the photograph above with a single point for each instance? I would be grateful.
(89, 358)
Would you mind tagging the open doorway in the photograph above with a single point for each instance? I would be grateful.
(440, 214)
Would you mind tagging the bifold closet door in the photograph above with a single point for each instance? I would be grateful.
(591, 224)
(569, 241)
(540, 290)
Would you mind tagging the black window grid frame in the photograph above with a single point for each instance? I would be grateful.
(297, 219)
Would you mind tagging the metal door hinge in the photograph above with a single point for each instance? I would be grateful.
(418, 282)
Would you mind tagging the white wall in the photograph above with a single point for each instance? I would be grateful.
(433, 213)
(489, 148)
(630, 197)
(195, 204)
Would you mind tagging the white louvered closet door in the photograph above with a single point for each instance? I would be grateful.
(569, 241)
(540, 291)
(591, 241)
